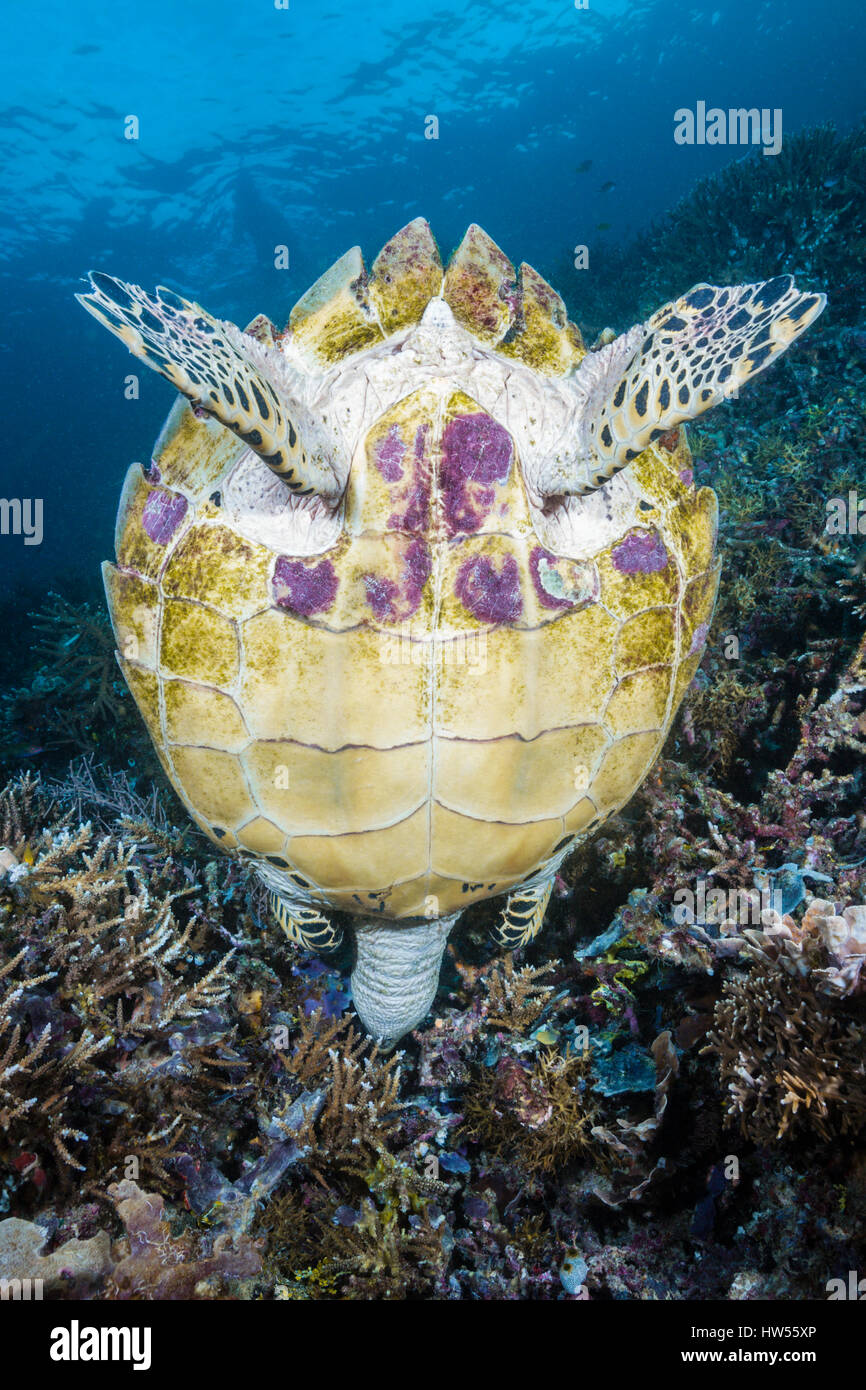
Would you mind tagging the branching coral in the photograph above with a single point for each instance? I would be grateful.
(385, 1254)
(75, 696)
(357, 1115)
(98, 994)
(789, 1063)
(516, 999)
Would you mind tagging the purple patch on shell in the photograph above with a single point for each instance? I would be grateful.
(389, 456)
(490, 595)
(476, 455)
(418, 566)
(642, 552)
(687, 477)
(414, 498)
(393, 601)
(382, 596)
(699, 637)
(305, 589)
(162, 514)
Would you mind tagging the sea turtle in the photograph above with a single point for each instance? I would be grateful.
(410, 593)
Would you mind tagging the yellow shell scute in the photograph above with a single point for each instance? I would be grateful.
(623, 768)
(480, 287)
(693, 525)
(214, 784)
(334, 319)
(389, 485)
(262, 836)
(626, 593)
(133, 603)
(313, 686)
(144, 686)
(580, 816)
(639, 702)
(352, 862)
(198, 643)
(647, 639)
(313, 792)
(542, 336)
(214, 565)
(198, 715)
(658, 478)
(513, 779)
(698, 602)
(406, 275)
(136, 550)
(498, 848)
(193, 455)
(517, 683)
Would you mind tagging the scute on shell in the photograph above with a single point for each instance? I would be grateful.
(481, 287)
(346, 311)
(334, 319)
(406, 275)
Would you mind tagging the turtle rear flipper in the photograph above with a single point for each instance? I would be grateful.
(222, 371)
(693, 353)
(523, 915)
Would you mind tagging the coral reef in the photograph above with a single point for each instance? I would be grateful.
(662, 1097)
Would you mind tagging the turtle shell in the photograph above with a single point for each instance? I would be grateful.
(431, 701)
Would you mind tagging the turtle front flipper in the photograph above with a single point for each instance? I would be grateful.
(523, 915)
(223, 372)
(693, 353)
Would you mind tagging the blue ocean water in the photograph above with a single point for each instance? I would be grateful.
(307, 126)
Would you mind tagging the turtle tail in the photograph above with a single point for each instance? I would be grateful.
(222, 371)
(693, 353)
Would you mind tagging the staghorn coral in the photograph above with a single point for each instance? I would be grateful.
(75, 696)
(516, 999)
(382, 1254)
(356, 1116)
(790, 1063)
(24, 804)
(98, 993)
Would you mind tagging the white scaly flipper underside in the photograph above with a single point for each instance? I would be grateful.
(693, 353)
(244, 383)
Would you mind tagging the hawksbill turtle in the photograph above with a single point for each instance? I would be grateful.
(410, 593)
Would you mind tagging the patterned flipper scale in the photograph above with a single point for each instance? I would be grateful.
(210, 362)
